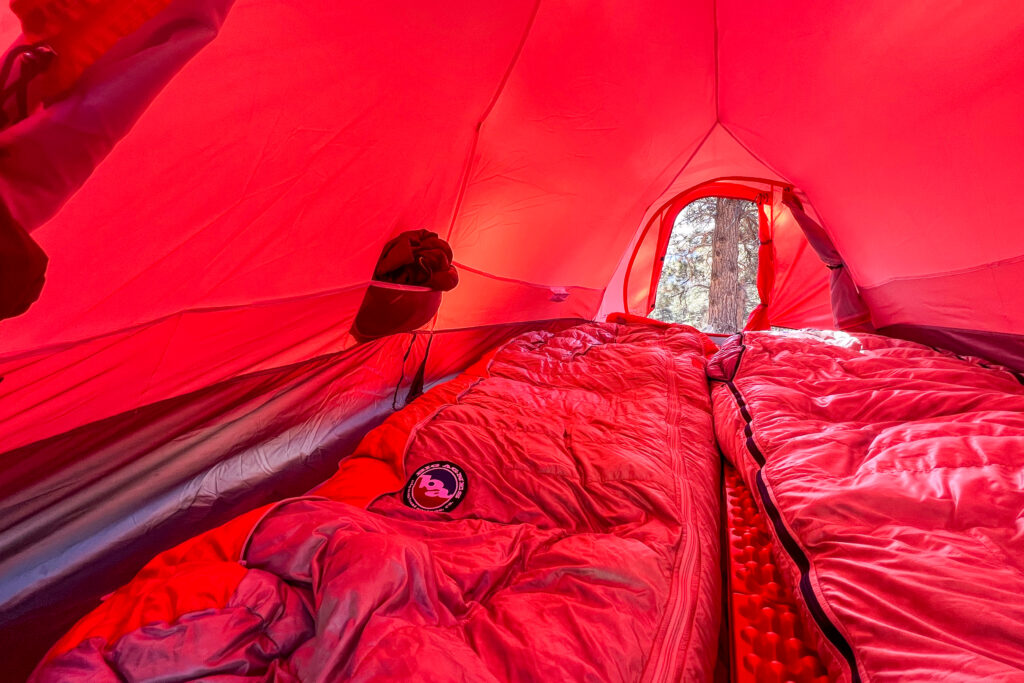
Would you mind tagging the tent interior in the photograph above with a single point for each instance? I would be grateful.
(212, 183)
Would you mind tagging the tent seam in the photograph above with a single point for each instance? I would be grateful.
(948, 273)
(517, 281)
(714, 20)
(642, 228)
(160, 361)
(784, 177)
(751, 152)
(486, 113)
(131, 329)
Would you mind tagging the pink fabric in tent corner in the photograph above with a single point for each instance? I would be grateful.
(800, 291)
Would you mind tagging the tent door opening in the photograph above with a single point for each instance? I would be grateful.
(709, 270)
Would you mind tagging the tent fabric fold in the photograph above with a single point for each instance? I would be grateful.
(848, 309)
(22, 267)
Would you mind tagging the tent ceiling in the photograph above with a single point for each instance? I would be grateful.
(234, 226)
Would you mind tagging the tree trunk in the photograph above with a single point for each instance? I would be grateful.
(725, 305)
(741, 310)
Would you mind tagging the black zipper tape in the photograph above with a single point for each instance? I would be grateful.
(789, 544)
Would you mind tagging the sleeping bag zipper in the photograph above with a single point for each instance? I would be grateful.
(679, 611)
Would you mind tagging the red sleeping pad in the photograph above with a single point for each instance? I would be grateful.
(549, 515)
(892, 476)
(767, 642)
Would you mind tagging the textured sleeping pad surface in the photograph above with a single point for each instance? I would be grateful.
(769, 644)
(891, 477)
(551, 514)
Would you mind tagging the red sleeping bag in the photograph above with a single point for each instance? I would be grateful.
(892, 476)
(550, 515)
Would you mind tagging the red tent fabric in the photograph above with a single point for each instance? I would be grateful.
(257, 180)
(214, 188)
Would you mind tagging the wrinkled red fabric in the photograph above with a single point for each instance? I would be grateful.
(417, 257)
(896, 470)
(22, 267)
(80, 31)
(585, 547)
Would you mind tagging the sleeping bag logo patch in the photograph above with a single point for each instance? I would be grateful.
(437, 486)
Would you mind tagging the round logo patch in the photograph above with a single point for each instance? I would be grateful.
(437, 486)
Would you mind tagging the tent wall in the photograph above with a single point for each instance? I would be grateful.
(597, 102)
(237, 223)
(799, 295)
(901, 124)
(253, 197)
(256, 190)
